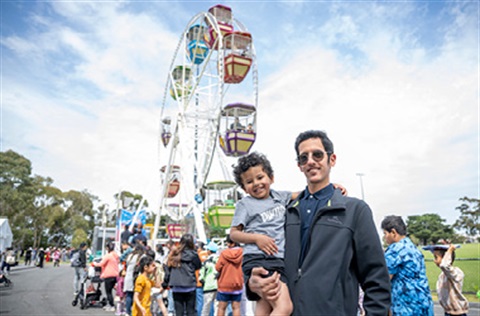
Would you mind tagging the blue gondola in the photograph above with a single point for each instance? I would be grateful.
(197, 48)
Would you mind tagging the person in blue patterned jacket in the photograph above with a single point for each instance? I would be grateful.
(406, 266)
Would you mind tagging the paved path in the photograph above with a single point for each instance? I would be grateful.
(47, 291)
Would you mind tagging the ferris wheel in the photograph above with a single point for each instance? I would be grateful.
(208, 113)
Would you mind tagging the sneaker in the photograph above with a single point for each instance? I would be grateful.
(110, 309)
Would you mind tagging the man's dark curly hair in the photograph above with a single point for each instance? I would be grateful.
(252, 160)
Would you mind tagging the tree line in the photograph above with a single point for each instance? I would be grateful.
(41, 214)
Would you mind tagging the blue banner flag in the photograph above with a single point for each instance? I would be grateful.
(127, 216)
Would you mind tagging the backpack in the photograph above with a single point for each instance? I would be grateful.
(75, 260)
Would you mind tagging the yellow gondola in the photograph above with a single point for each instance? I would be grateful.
(181, 85)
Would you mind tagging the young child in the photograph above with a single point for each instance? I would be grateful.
(450, 282)
(230, 279)
(120, 294)
(157, 290)
(143, 286)
(258, 222)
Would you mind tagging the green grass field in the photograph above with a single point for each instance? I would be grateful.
(471, 268)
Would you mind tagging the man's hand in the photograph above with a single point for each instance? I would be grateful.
(266, 244)
(267, 288)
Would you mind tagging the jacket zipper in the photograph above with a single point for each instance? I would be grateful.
(317, 216)
(319, 213)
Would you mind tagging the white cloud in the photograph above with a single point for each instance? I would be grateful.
(402, 116)
(407, 127)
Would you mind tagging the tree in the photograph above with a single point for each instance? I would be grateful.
(16, 193)
(47, 218)
(429, 228)
(39, 213)
(79, 236)
(80, 213)
(470, 215)
(129, 199)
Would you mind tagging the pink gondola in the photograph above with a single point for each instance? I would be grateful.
(238, 56)
(174, 183)
(223, 15)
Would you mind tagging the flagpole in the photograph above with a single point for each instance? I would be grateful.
(117, 226)
(104, 226)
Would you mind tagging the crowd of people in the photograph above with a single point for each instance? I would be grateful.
(167, 280)
(33, 256)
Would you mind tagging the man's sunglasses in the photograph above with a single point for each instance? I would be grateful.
(317, 155)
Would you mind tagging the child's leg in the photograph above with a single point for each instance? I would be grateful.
(207, 303)
(222, 306)
(262, 308)
(283, 304)
(236, 308)
(161, 305)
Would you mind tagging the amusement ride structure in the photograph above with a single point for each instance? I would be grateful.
(208, 119)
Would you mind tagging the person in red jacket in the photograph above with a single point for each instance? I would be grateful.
(230, 279)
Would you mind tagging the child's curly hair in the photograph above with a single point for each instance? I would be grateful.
(246, 162)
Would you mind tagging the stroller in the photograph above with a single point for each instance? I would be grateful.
(4, 281)
(90, 293)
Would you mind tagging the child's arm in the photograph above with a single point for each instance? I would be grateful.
(263, 242)
(341, 188)
(157, 278)
(136, 296)
(136, 299)
(455, 275)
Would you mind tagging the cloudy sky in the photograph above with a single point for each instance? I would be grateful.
(395, 84)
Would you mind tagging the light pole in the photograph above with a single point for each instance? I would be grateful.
(360, 175)
(104, 224)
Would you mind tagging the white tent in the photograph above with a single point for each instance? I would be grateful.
(6, 235)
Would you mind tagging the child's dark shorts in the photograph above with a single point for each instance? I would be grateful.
(228, 297)
(270, 263)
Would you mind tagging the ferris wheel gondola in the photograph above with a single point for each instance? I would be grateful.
(207, 86)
